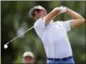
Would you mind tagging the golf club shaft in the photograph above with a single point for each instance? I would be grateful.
(19, 35)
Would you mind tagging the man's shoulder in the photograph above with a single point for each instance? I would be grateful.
(38, 20)
(39, 23)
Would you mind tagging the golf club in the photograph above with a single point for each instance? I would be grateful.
(6, 45)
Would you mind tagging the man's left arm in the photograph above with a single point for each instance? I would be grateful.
(77, 19)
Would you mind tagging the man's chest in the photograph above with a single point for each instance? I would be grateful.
(54, 29)
(54, 33)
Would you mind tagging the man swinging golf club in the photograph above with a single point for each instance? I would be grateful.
(54, 34)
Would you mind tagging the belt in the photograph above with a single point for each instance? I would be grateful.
(56, 59)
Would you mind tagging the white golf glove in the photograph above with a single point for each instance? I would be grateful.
(62, 9)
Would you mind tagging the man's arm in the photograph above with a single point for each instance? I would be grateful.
(77, 19)
(52, 15)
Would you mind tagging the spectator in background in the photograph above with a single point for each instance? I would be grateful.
(28, 57)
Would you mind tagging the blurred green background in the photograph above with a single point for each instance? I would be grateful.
(14, 19)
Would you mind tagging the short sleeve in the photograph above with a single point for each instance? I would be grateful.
(39, 26)
(67, 25)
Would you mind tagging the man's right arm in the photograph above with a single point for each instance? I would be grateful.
(77, 19)
(56, 11)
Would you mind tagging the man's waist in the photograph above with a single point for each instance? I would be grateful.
(65, 58)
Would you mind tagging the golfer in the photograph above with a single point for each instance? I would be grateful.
(54, 34)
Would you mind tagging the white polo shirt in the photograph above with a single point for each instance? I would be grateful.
(54, 37)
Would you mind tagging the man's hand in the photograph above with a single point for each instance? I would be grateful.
(62, 9)
(77, 19)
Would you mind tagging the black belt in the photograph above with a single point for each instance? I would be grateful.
(56, 59)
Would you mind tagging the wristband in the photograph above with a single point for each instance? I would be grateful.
(62, 9)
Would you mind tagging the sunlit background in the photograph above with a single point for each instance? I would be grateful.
(14, 21)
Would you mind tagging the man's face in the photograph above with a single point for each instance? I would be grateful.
(42, 13)
(28, 60)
